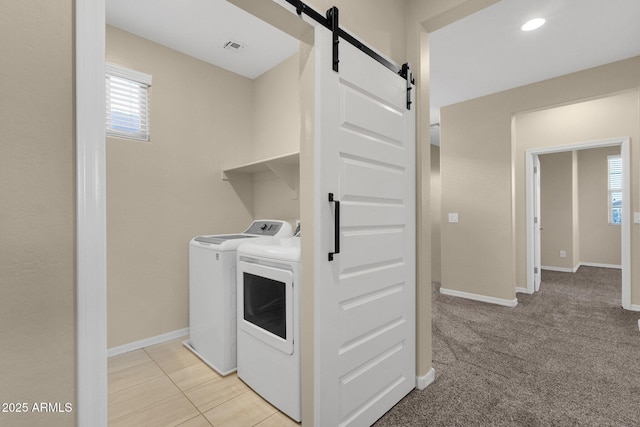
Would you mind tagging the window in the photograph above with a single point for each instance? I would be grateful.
(615, 189)
(127, 103)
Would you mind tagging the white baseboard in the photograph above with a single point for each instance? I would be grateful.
(561, 269)
(523, 291)
(482, 298)
(114, 351)
(424, 381)
(595, 264)
(580, 264)
(634, 307)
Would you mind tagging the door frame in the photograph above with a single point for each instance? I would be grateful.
(625, 144)
(91, 405)
(91, 244)
(537, 238)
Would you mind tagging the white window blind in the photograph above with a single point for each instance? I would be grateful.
(127, 106)
(615, 189)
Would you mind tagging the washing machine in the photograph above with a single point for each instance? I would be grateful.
(269, 321)
(212, 292)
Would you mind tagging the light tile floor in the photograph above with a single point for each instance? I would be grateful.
(167, 385)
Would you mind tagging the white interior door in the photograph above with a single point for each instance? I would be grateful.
(365, 297)
(537, 225)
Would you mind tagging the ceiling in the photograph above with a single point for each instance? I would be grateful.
(487, 52)
(484, 53)
(201, 28)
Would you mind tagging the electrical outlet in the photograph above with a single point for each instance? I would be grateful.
(636, 217)
(453, 217)
(563, 254)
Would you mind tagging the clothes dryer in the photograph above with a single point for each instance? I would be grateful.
(269, 321)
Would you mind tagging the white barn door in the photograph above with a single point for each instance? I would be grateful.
(365, 297)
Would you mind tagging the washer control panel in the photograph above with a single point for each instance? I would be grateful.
(267, 227)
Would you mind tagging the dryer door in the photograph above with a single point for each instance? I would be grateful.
(265, 304)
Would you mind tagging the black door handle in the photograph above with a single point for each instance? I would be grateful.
(336, 230)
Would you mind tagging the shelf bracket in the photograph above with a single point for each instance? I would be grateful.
(285, 172)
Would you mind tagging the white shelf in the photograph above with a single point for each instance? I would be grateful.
(285, 167)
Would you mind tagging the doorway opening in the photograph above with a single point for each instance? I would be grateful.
(533, 246)
(91, 233)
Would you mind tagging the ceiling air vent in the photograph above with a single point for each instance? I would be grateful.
(232, 46)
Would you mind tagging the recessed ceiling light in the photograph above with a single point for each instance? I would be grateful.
(533, 24)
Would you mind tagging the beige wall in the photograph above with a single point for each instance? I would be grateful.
(37, 220)
(276, 110)
(434, 14)
(273, 198)
(556, 209)
(477, 252)
(276, 132)
(436, 213)
(162, 193)
(379, 23)
(485, 252)
(599, 241)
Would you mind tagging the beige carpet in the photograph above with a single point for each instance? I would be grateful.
(567, 356)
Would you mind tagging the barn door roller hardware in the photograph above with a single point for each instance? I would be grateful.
(331, 22)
